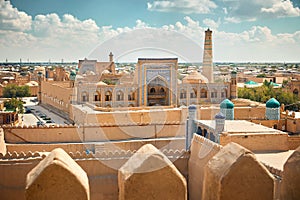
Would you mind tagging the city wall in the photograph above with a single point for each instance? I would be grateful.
(129, 117)
(131, 145)
(258, 142)
(101, 168)
(89, 133)
(240, 113)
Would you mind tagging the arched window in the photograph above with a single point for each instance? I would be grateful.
(224, 93)
(97, 96)
(120, 96)
(182, 94)
(108, 96)
(193, 93)
(162, 90)
(214, 94)
(131, 96)
(85, 97)
(203, 93)
(152, 90)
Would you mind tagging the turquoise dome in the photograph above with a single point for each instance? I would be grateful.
(72, 73)
(272, 103)
(72, 76)
(226, 103)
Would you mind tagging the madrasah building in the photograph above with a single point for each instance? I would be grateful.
(154, 83)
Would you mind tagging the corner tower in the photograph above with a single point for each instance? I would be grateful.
(208, 57)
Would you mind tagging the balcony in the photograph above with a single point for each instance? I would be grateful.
(161, 95)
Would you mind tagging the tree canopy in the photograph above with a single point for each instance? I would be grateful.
(13, 91)
(13, 104)
(266, 92)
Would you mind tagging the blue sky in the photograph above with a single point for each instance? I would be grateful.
(256, 30)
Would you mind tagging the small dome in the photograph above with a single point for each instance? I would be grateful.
(219, 116)
(226, 103)
(79, 76)
(40, 68)
(192, 107)
(272, 103)
(105, 72)
(100, 83)
(72, 76)
(34, 83)
(195, 76)
(73, 73)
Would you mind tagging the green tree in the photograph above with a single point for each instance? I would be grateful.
(261, 76)
(13, 91)
(14, 104)
(265, 92)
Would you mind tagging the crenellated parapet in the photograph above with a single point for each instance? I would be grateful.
(92, 125)
(103, 155)
(276, 172)
(206, 143)
(37, 127)
(22, 155)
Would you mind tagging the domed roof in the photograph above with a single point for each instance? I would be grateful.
(194, 75)
(105, 72)
(272, 103)
(40, 68)
(192, 107)
(100, 83)
(32, 83)
(226, 103)
(219, 116)
(73, 73)
(72, 76)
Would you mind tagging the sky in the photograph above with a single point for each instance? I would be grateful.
(243, 30)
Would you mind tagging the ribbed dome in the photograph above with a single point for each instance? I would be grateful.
(195, 76)
(105, 72)
(40, 68)
(219, 116)
(100, 83)
(32, 83)
(272, 103)
(73, 73)
(226, 103)
(72, 76)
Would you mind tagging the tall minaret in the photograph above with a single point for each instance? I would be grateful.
(208, 57)
(111, 57)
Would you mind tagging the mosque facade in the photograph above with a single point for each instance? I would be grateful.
(153, 83)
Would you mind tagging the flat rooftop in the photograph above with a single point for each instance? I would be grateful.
(274, 159)
(240, 127)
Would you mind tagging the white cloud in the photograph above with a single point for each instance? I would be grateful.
(245, 10)
(183, 6)
(211, 23)
(53, 37)
(282, 9)
(12, 19)
(141, 24)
